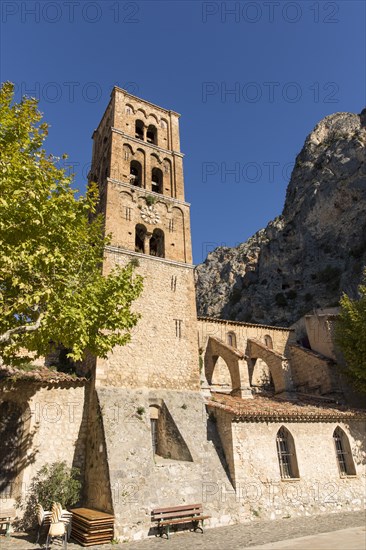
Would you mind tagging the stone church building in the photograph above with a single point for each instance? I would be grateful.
(235, 415)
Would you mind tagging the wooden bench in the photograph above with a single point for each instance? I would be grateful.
(6, 517)
(176, 515)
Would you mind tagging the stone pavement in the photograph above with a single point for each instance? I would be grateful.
(345, 531)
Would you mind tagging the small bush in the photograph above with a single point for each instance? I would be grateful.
(150, 200)
(235, 296)
(328, 274)
(140, 411)
(308, 297)
(291, 295)
(281, 299)
(52, 483)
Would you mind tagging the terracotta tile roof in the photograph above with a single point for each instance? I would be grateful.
(38, 374)
(273, 408)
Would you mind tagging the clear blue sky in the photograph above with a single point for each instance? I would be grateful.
(288, 64)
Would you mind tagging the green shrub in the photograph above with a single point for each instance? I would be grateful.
(150, 200)
(281, 299)
(330, 276)
(291, 294)
(52, 483)
(235, 296)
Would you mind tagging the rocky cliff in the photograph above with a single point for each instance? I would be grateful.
(313, 251)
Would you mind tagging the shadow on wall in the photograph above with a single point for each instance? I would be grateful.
(16, 448)
(214, 437)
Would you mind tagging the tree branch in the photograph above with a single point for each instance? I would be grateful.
(6, 337)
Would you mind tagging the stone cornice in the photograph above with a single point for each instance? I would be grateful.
(145, 192)
(243, 324)
(126, 251)
(145, 143)
(144, 101)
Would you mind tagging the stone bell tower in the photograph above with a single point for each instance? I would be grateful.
(139, 169)
(148, 447)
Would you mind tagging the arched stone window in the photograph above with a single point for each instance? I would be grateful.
(268, 341)
(135, 173)
(157, 180)
(140, 236)
(157, 246)
(343, 453)
(286, 454)
(231, 339)
(139, 129)
(152, 134)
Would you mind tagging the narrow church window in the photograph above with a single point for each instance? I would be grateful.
(343, 452)
(139, 129)
(157, 247)
(173, 283)
(154, 434)
(178, 328)
(128, 213)
(231, 339)
(136, 173)
(151, 135)
(157, 180)
(140, 234)
(171, 226)
(268, 341)
(154, 418)
(286, 454)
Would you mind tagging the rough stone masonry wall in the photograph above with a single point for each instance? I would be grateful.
(243, 331)
(312, 372)
(55, 425)
(320, 488)
(141, 482)
(123, 212)
(97, 487)
(157, 356)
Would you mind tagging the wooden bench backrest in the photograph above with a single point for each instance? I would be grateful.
(176, 512)
(7, 513)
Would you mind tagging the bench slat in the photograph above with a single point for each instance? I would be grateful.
(176, 508)
(182, 514)
(184, 520)
(7, 513)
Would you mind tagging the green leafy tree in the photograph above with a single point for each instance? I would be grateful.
(51, 247)
(351, 336)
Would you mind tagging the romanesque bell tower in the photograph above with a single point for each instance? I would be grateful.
(139, 169)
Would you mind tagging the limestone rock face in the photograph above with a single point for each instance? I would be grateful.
(313, 251)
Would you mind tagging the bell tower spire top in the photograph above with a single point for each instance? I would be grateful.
(139, 169)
